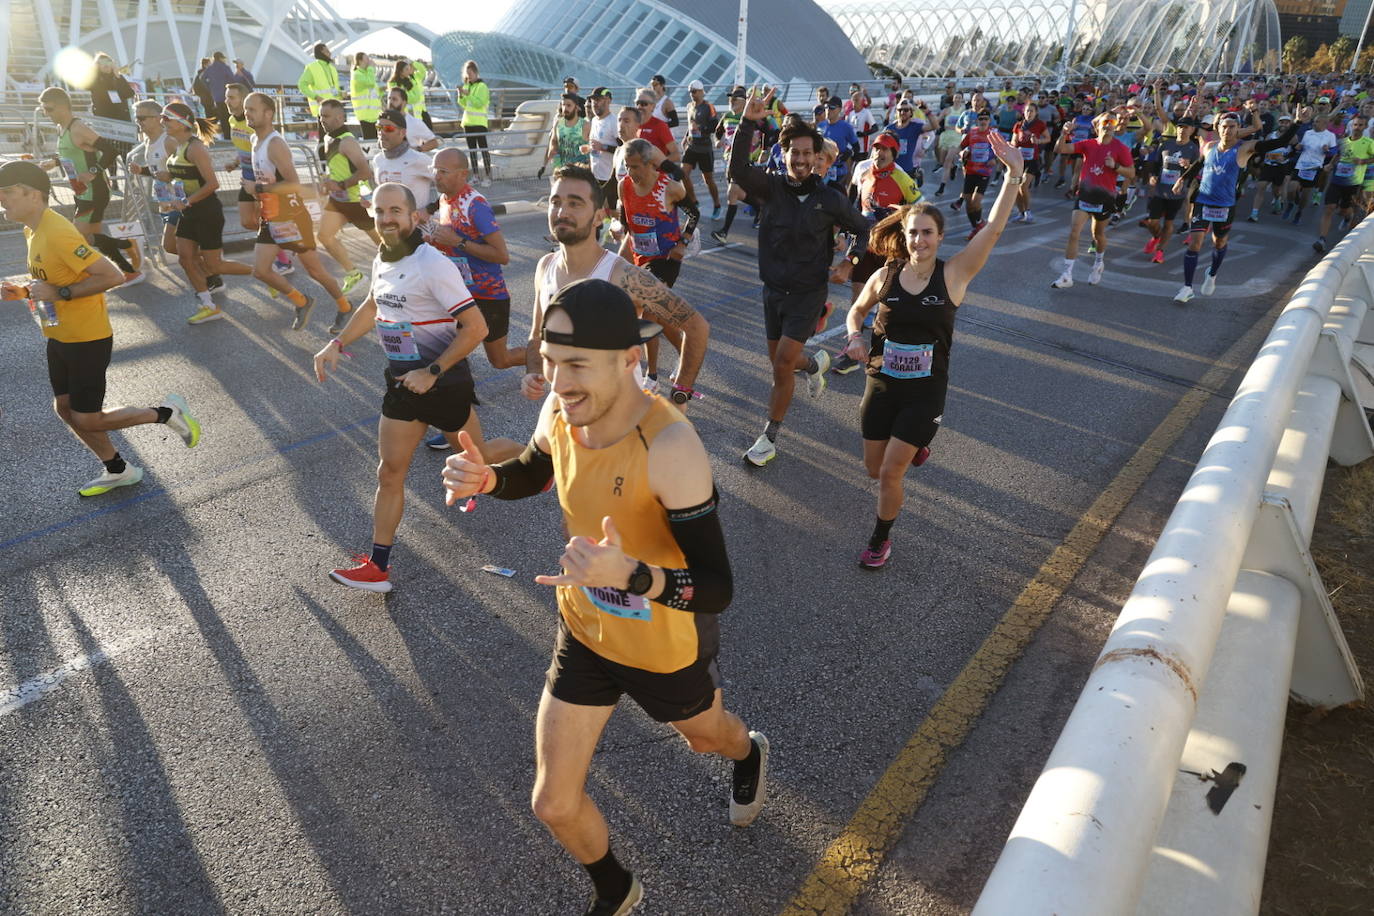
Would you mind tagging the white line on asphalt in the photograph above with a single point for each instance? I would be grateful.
(35, 688)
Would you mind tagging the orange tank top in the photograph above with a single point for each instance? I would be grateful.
(614, 481)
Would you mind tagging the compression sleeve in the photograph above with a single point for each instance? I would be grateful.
(672, 170)
(524, 475)
(1283, 139)
(672, 118)
(705, 586)
(693, 216)
(1192, 171)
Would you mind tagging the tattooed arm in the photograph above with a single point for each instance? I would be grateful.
(682, 325)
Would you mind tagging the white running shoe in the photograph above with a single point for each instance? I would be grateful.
(181, 422)
(1209, 283)
(816, 381)
(761, 452)
(1064, 282)
(1095, 275)
(107, 481)
(1185, 294)
(747, 796)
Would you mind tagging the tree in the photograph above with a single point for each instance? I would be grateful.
(1321, 61)
(1342, 51)
(1295, 51)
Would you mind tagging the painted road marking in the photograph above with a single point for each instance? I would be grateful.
(35, 688)
(852, 859)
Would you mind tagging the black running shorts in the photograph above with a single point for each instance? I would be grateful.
(1342, 195)
(665, 270)
(78, 371)
(1098, 203)
(1164, 208)
(352, 211)
(445, 407)
(579, 676)
(975, 184)
(792, 315)
(497, 314)
(906, 409)
(203, 223)
(703, 159)
(93, 210)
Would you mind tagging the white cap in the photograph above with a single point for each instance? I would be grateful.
(694, 85)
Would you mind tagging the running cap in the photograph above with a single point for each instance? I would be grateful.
(601, 92)
(906, 103)
(834, 102)
(603, 317)
(1284, 117)
(28, 174)
(1186, 122)
(694, 85)
(739, 93)
(887, 140)
(395, 117)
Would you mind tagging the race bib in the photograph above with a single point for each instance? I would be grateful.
(619, 603)
(464, 268)
(980, 152)
(907, 360)
(645, 244)
(1215, 214)
(246, 164)
(1027, 153)
(284, 233)
(398, 340)
(1089, 208)
(114, 96)
(1307, 174)
(1345, 169)
(1169, 176)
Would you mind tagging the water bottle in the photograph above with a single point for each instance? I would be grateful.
(162, 192)
(69, 168)
(44, 312)
(179, 191)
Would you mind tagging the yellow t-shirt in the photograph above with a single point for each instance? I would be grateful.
(59, 254)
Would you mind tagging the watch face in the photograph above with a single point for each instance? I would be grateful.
(680, 397)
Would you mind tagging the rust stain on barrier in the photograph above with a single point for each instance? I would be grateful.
(1154, 655)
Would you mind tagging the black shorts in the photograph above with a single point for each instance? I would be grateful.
(1096, 202)
(868, 265)
(579, 676)
(93, 210)
(975, 184)
(1219, 227)
(1146, 168)
(497, 314)
(1033, 166)
(78, 371)
(1164, 208)
(665, 269)
(1342, 195)
(445, 407)
(246, 196)
(1307, 182)
(906, 409)
(203, 223)
(1273, 174)
(792, 315)
(703, 159)
(353, 211)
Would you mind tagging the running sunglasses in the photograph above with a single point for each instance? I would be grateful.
(387, 128)
(175, 117)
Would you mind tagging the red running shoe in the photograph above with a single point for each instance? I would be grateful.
(1158, 257)
(826, 312)
(366, 576)
(922, 454)
(1150, 245)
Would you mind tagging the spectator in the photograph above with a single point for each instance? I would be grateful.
(475, 99)
(216, 77)
(409, 78)
(243, 75)
(201, 89)
(366, 94)
(110, 93)
(320, 79)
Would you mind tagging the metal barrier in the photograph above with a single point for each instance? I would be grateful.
(1185, 706)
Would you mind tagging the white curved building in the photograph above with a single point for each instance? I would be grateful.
(945, 38)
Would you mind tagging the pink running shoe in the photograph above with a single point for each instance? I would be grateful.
(876, 559)
(922, 455)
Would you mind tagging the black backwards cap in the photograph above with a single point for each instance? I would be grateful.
(603, 318)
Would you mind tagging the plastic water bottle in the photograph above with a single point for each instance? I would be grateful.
(69, 168)
(179, 191)
(44, 312)
(162, 192)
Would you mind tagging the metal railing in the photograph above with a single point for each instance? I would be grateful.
(1185, 706)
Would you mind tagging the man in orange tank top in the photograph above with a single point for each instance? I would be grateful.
(644, 577)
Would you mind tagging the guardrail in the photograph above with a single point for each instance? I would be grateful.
(1158, 795)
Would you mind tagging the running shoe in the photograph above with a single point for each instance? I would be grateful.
(438, 442)
(1115, 218)
(1030, 217)
(302, 314)
(816, 381)
(181, 422)
(826, 311)
(1276, 206)
(1253, 217)
(844, 364)
(621, 907)
(761, 452)
(1185, 294)
(1319, 246)
(1317, 199)
(720, 237)
(1064, 282)
(1018, 218)
(958, 202)
(1092, 248)
(1157, 257)
(716, 214)
(920, 178)
(283, 267)
(1095, 275)
(1297, 218)
(756, 221)
(350, 280)
(875, 559)
(107, 481)
(1151, 245)
(921, 457)
(1209, 283)
(748, 791)
(340, 321)
(1059, 184)
(214, 282)
(940, 190)
(366, 576)
(206, 313)
(976, 229)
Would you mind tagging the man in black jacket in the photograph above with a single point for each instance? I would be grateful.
(800, 214)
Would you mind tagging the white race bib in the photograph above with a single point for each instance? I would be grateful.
(907, 360)
(645, 244)
(398, 340)
(1215, 214)
(1028, 153)
(1345, 169)
(1307, 174)
(284, 233)
(1169, 176)
(619, 603)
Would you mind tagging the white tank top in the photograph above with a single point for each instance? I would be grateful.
(602, 271)
(263, 168)
(155, 154)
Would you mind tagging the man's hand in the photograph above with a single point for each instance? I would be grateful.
(445, 235)
(1010, 156)
(592, 563)
(534, 386)
(679, 252)
(327, 360)
(43, 291)
(418, 380)
(464, 473)
(755, 108)
(841, 272)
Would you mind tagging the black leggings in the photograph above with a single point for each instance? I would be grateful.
(477, 137)
(369, 129)
(114, 249)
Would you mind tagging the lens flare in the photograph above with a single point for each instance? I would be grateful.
(74, 67)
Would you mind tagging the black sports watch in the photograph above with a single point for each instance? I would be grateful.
(436, 370)
(65, 292)
(641, 580)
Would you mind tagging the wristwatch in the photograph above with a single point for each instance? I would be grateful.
(436, 370)
(641, 580)
(854, 259)
(1016, 179)
(65, 292)
(681, 395)
(462, 242)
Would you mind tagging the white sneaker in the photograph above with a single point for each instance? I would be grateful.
(1029, 218)
(1095, 275)
(743, 812)
(1185, 294)
(761, 452)
(107, 481)
(282, 269)
(816, 381)
(181, 422)
(1209, 283)
(1064, 282)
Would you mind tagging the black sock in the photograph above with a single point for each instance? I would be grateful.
(730, 212)
(975, 218)
(880, 533)
(609, 877)
(811, 365)
(163, 414)
(111, 250)
(381, 555)
(115, 465)
(746, 776)
(771, 430)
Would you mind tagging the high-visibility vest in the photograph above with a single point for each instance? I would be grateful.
(367, 100)
(319, 81)
(416, 97)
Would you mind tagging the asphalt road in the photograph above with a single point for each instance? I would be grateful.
(194, 719)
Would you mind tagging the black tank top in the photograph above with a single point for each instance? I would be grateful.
(912, 332)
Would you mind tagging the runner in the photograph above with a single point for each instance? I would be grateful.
(664, 109)
(200, 229)
(908, 133)
(420, 135)
(725, 137)
(644, 577)
(701, 136)
(1315, 147)
(1215, 201)
(285, 220)
(1081, 125)
(947, 144)
(842, 132)
(348, 172)
(1274, 171)
(67, 291)
(603, 138)
(655, 129)
(150, 159)
(575, 207)
(649, 200)
(398, 162)
(78, 160)
(567, 137)
(1102, 161)
(1176, 156)
(241, 135)
(796, 242)
(427, 323)
(977, 157)
(1346, 179)
(1030, 135)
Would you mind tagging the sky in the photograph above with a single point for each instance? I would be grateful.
(437, 17)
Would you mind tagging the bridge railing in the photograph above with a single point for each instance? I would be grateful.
(1158, 795)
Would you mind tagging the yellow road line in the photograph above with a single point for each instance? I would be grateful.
(852, 859)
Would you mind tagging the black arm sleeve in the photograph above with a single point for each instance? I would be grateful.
(706, 585)
(672, 118)
(753, 181)
(524, 475)
(1282, 140)
(1191, 171)
(672, 170)
(693, 216)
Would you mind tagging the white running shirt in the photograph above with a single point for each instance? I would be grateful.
(1313, 148)
(602, 271)
(606, 132)
(412, 169)
(418, 299)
